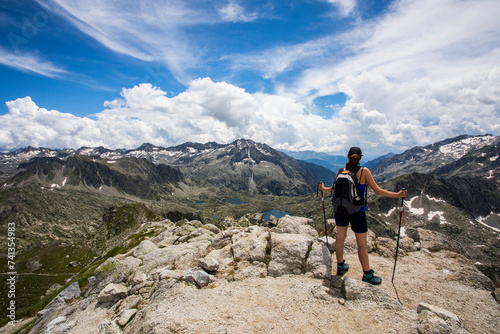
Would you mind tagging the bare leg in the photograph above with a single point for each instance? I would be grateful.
(339, 243)
(362, 251)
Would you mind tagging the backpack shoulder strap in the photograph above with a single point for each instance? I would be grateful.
(355, 175)
(339, 171)
(366, 187)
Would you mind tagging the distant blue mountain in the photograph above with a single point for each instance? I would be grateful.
(323, 163)
(373, 163)
(332, 162)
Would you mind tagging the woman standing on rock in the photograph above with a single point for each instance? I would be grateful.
(357, 220)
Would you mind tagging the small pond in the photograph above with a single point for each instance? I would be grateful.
(235, 201)
(275, 212)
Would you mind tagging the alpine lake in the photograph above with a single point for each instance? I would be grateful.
(277, 213)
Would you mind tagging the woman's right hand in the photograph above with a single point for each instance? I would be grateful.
(403, 193)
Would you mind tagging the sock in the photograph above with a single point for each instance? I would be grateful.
(341, 263)
(368, 272)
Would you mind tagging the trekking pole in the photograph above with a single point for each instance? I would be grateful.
(399, 233)
(324, 215)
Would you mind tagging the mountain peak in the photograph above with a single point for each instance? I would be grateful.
(244, 142)
(147, 147)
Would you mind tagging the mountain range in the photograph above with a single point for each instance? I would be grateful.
(462, 170)
(242, 165)
(466, 167)
(89, 201)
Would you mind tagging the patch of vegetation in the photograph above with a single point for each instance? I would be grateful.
(309, 249)
(139, 237)
(267, 257)
(26, 328)
(38, 270)
(115, 251)
(129, 216)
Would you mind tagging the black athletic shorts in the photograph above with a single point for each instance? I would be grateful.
(357, 220)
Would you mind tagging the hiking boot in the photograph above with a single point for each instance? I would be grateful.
(371, 278)
(342, 268)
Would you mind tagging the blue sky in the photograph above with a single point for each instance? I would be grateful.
(318, 75)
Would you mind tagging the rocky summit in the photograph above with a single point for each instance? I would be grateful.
(273, 277)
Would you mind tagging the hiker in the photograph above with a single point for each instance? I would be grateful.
(358, 220)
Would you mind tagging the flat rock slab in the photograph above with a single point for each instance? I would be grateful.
(358, 290)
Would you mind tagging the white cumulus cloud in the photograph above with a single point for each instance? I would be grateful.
(206, 111)
(412, 76)
(221, 112)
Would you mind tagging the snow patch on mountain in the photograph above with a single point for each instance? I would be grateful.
(412, 209)
(113, 155)
(483, 220)
(86, 151)
(460, 148)
(435, 199)
(417, 211)
(389, 213)
(58, 186)
(439, 214)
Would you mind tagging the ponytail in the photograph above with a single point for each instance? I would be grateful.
(353, 162)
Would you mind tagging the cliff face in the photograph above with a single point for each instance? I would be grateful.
(189, 277)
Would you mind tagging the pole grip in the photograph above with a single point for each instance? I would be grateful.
(317, 189)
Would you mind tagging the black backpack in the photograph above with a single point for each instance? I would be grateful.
(346, 198)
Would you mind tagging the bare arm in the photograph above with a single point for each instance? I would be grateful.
(368, 177)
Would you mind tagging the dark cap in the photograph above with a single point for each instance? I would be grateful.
(355, 150)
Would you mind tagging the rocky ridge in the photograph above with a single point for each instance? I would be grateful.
(273, 278)
(463, 156)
